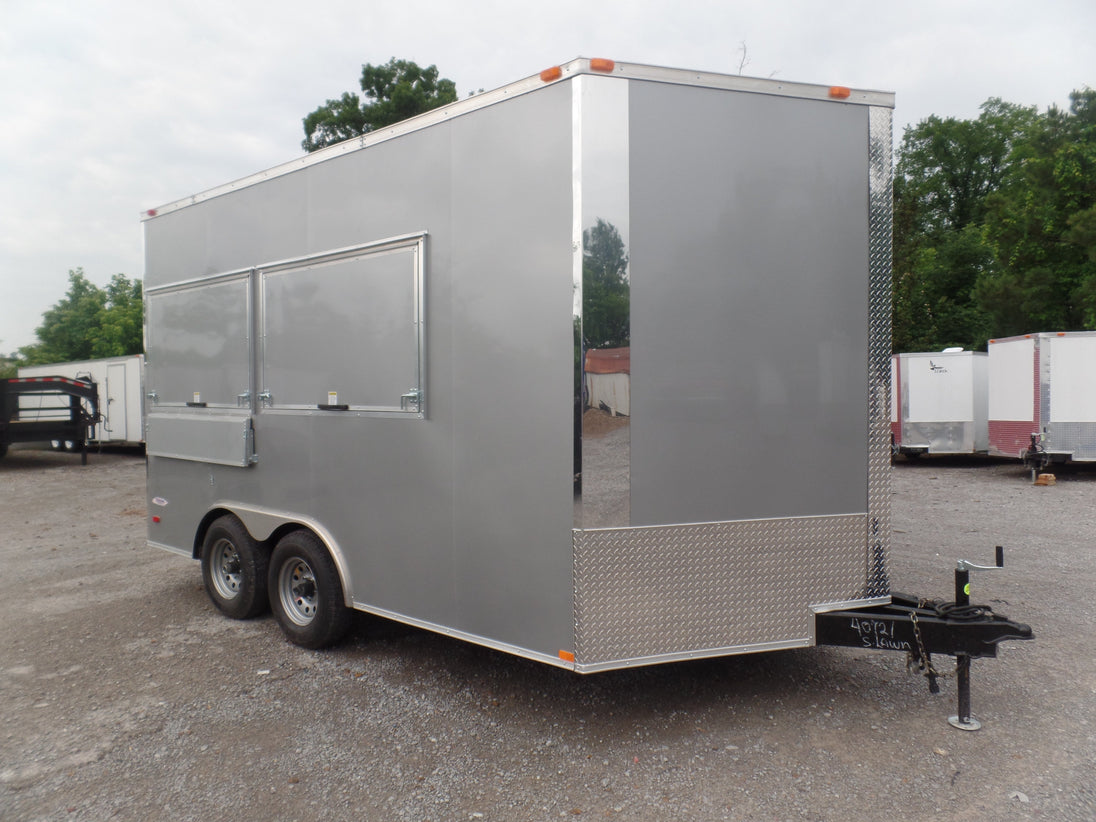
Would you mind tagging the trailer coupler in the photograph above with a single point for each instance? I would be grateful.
(921, 628)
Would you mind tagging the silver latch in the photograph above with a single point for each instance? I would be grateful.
(411, 401)
(243, 399)
(265, 398)
(152, 395)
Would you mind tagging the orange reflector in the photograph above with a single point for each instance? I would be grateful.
(601, 64)
(550, 74)
(566, 656)
(1061, 333)
(840, 92)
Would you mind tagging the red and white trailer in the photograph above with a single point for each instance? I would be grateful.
(939, 403)
(1042, 397)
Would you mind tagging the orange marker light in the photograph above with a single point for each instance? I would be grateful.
(550, 74)
(567, 656)
(601, 64)
(840, 92)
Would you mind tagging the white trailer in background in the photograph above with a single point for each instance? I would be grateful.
(121, 395)
(939, 403)
(1042, 397)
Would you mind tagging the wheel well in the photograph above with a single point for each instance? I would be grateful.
(216, 513)
(203, 526)
(289, 528)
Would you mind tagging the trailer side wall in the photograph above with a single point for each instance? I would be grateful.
(446, 521)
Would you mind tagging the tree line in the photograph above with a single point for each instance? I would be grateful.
(994, 227)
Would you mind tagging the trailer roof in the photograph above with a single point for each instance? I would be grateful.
(1042, 335)
(554, 74)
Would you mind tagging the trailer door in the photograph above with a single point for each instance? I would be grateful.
(115, 423)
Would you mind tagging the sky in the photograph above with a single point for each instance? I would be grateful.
(111, 107)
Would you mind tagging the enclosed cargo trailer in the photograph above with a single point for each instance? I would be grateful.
(121, 395)
(939, 403)
(366, 371)
(1042, 397)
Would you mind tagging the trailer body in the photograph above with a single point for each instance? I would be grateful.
(939, 403)
(383, 344)
(1042, 398)
(121, 394)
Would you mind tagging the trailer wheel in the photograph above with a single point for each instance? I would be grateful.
(306, 595)
(234, 569)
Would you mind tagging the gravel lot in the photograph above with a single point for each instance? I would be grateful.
(127, 696)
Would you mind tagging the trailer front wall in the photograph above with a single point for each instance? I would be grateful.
(460, 520)
(759, 381)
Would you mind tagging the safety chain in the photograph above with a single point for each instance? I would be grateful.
(924, 663)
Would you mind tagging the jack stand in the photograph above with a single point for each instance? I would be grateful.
(964, 720)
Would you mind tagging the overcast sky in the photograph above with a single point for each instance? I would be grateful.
(112, 107)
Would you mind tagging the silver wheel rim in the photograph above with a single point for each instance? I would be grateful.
(297, 591)
(225, 569)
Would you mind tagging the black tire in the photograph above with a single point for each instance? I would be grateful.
(234, 569)
(306, 593)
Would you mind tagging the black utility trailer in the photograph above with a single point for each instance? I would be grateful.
(40, 409)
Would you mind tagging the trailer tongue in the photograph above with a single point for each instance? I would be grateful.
(921, 628)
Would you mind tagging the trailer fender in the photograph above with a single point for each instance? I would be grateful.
(269, 525)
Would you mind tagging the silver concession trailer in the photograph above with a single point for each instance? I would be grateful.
(939, 403)
(365, 371)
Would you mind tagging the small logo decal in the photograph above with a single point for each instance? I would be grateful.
(159, 501)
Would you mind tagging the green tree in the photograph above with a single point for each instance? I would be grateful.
(120, 330)
(90, 322)
(8, 366)
(395, 91)
(606, 294)
(947, 168)
(1041, 224)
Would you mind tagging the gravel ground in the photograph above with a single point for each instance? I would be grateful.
(127, 696)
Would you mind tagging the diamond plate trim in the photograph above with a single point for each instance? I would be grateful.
(680, 589)
(880, 258)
